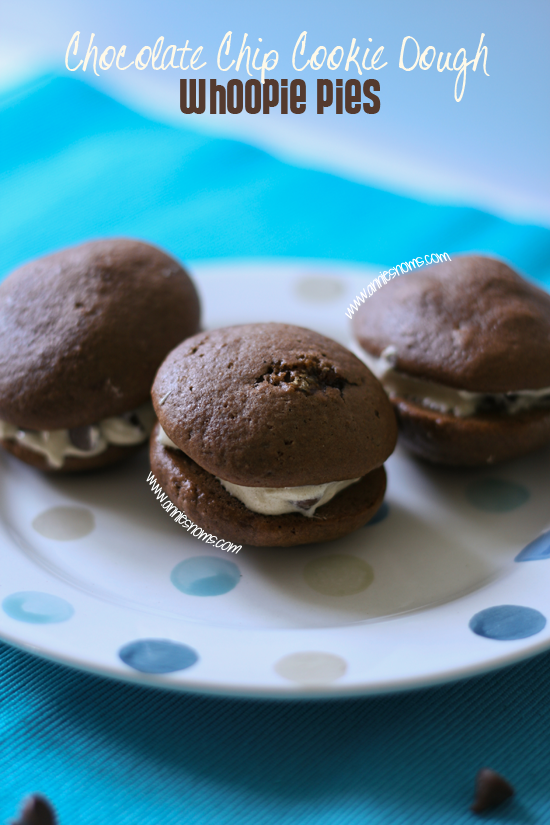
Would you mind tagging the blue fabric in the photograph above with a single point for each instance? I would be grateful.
(76, 165)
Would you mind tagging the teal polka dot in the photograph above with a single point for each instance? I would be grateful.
(507, 622)
(537, 550)
(494, 495)
(205, 576)
(37, 608)
(157, 656)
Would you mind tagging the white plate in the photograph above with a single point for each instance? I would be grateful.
(429, 593)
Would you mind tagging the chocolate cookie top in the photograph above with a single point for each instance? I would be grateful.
(83, 331)
(471, 323)
(274, 405)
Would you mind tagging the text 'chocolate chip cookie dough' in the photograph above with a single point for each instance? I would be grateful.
(82, 334)
(270, 434)
(463, 350)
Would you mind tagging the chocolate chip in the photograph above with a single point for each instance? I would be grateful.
(309, 376)
(37, 811)
(133, 419)
(491, 790)
(83, 438)
(306, 503)
(498, 403)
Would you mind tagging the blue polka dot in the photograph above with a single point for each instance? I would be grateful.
(37, 608)
(507, 622)
(379, 516)
(537, 550)
(205, 576)
(494, 495)
(157, 656)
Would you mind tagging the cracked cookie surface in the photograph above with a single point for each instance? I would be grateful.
(274, 405)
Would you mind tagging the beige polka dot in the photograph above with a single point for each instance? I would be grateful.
(64, 523)
(319, 289)
(338, 575)
(311, 667)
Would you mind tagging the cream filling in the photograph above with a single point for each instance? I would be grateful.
(276, 501)
(56, 445)
(163, 439)
(441, 398)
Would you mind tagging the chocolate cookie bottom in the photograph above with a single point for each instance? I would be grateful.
(72, 464)
(202, 498)
(443, 438)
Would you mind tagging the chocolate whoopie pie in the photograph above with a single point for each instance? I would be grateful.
(271, 434)
(463, 349)
(82, 334)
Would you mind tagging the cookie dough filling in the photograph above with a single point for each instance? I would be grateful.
(276, 501)
(440, 398)
(124, 430)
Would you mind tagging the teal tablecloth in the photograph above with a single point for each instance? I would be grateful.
(76, 165)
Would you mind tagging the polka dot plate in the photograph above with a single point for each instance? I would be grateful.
(451, 577)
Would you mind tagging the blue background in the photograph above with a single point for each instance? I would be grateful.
(489, 150)
(109, 752)
(78, 165)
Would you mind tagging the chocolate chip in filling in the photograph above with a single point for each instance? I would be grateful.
(305, 504)
(84, 438)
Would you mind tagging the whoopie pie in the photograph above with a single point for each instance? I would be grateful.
(271, 434)
(82, 334)
(463, 349)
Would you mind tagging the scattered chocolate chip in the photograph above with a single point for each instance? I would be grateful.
(308, 376)
(83, 438)
(37, 811)
(306, 503)
(491, 790)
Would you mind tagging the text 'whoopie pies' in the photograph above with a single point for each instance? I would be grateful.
(82, 334)
(271, 434)
(463, 349)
